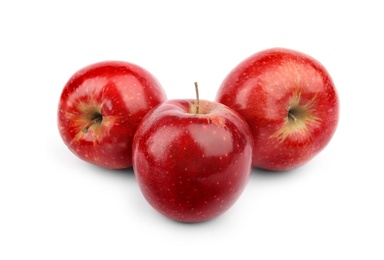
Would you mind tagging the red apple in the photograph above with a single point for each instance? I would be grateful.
(192, 166)
(290, 103)
(100, 108)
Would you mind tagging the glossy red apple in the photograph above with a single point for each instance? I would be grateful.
(290, 103)
(192, 166)
(100, 108)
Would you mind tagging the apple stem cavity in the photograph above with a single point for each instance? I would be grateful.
(197, 98)
(96, 120)
(291, 117)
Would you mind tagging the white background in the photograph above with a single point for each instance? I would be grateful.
(55, 206)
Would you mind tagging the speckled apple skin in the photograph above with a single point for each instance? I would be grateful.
(265, 87)
(122, 93)
(192, 167)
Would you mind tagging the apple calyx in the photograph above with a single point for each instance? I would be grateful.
(96, 118)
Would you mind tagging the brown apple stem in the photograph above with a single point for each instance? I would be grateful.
(197, 98)
(94, 121)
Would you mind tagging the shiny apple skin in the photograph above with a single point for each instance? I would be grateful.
(192, 167)
(122, 93)
(264, 87)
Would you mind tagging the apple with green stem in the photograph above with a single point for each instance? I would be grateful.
(192, 158)
(290, 103)
(100, 108)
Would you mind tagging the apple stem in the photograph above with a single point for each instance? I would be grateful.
(292, 117)
(197, 98)
(94, 121)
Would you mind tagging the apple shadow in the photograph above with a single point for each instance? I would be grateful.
(114, 172)
(258, 173)
(126, 175)
(270, 173)
(214, 221)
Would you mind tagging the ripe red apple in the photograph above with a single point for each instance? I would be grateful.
(190, 165)
(290, 103)
(100, 108)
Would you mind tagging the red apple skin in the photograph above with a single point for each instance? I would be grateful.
(192, 167)
(122, 93)
(290, 103)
